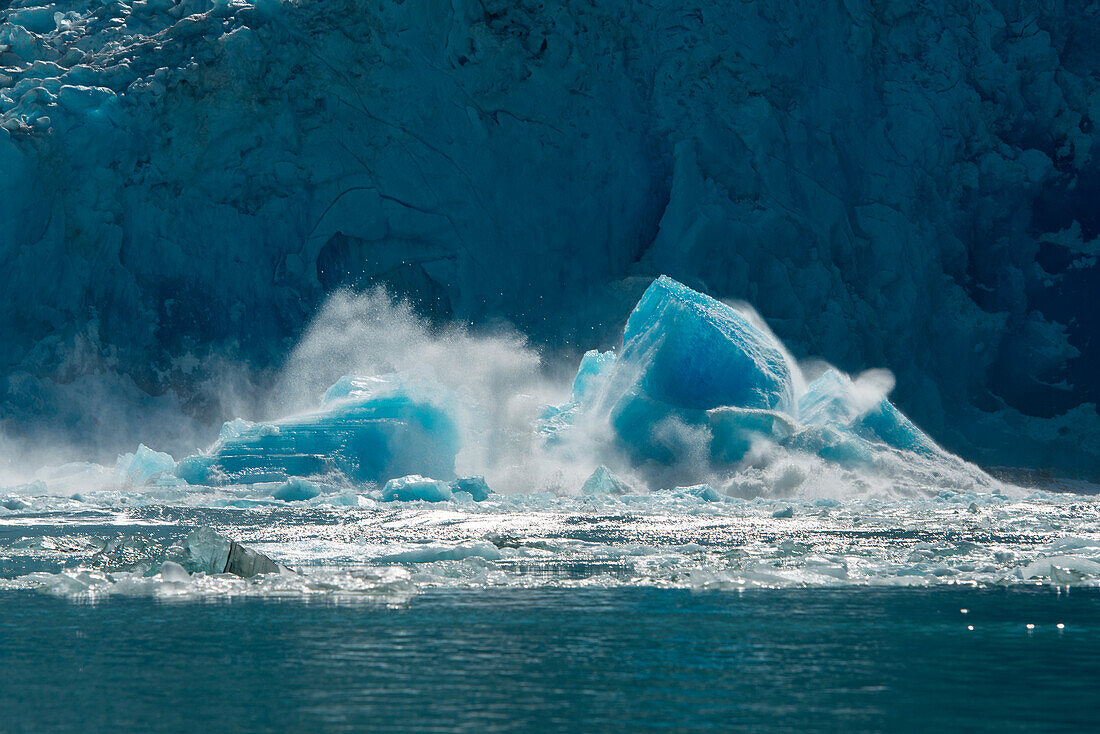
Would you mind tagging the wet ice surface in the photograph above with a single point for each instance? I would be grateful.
(115, 542)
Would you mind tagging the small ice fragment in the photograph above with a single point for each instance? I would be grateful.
(602, 481)
(970, 627)
(296, 489)
(415, 487)
(1030, 626)
(1062, 570)
(476, 486)
(443, 552)
(964, 611)
(788, 512)
(207, 551)
(171, 571)
(1060, 626)
(704, 492)
(973, 508)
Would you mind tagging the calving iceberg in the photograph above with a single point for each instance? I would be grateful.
(699, 394)
(693, 370)
(368, 429)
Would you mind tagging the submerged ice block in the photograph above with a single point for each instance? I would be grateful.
(370, 429)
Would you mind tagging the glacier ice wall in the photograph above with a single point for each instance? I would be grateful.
(911, 186)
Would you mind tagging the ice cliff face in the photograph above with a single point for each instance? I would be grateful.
(907, 187)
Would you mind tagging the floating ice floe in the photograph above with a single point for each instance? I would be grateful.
(207, 551)
(415, 487)
(666, 538)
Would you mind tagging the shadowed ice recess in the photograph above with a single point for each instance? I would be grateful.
(697, 453)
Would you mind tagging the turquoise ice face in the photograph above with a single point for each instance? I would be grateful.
(369, 429)
(693, 369)
(693, 352)
(685, 353)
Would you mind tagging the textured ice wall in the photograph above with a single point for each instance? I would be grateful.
(896, 184)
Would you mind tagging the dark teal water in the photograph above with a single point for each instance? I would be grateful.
(557, 660)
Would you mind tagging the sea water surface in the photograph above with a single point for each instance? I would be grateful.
(662, 612)
(594, 659)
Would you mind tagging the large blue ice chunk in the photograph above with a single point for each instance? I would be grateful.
(694, 352)
(685, 353)
(416, 487)
(475, 486)
(370, 429)
(207, 551)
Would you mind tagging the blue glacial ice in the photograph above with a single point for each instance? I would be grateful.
(688, 351)
(368, 429)
(872, 200)
(296, 489)
(697, 395)
(834, 400)
(603, 482)
(415, 487)
(693, 371)
(144, 464)
(683, 353)
(475, 486)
